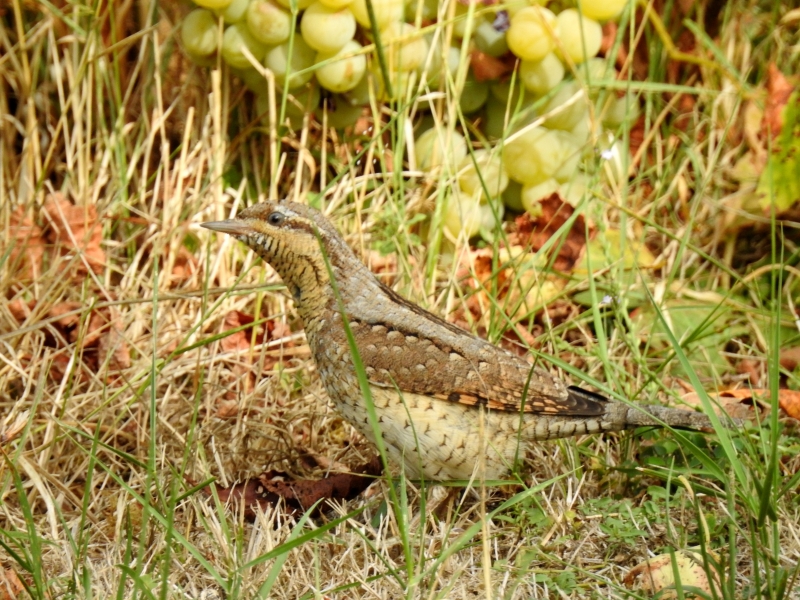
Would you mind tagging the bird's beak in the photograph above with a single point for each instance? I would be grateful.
(230, 226)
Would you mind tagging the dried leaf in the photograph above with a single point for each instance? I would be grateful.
(779, 89)
(298, 494)
(790, 358)
(28, 246)
(75, 229)
(489, 68)
(534, 233)
(11, 586)
(737, 404)
(657, 575)
(105, 331)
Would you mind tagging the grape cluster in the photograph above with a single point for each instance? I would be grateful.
(311, 46)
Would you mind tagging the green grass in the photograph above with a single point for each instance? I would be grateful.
(101, 467)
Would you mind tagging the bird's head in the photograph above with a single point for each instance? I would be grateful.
(292, 237)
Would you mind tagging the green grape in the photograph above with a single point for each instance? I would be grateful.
(283, 64)
(465, 215)
(268, 22)
(339, 111)
(503, 117)
(199, 33)
(602, 10)
(512, 7)
(301, 4)
(496, 118)
(234, 12)
(595, 71)
(341, 71)
(462, 20)
(436, 69)
(568, 116)
(542, 76)
(474, 94)
(405, 47)
(326, 29)
(582, 131)
(437, 148)
(512, 197)
(213, 4)
(299, 103)
(580, 36)
(386, 11)
(532, 156)
(532, 195)
(359, 95)
(489, 169)
(234, 40)
(569, 154)
(253, 80)
(336, 4)
(489, 40)
(575, 189)
(428, 9)
(402, 82)
(617, 111)
(531, 35)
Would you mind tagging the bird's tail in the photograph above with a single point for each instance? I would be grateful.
(658, 416)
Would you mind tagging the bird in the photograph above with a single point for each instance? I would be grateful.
(449, 405)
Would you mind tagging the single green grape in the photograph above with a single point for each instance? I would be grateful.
(285, 64)
(199, 33)
(483, 168)
(437, 148)
(531, 35)
(236, 38)
(602, 10)
(580, 36)
(386, 11)
(268, 22)
(341, 71)
(541, 76)
(405, 47)
(234, 12)
(565, 116)
(327, 29)
(532, 155)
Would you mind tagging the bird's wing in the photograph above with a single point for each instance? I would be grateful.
(438, 359)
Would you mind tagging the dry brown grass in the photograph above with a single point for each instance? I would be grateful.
(105, 424)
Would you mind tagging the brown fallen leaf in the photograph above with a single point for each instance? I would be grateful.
(298, 495)
(11, 586)
(790, 358)
(534, 233)
(512, 277)
(103, 334)
(489, 68)
(27, 246)
(737, 404)
(75, 228)
(740, 404)
(779, 89)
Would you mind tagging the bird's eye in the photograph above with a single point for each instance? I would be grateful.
(275, 218)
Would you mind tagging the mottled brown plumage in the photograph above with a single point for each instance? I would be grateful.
(449, 404)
